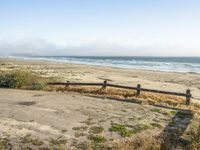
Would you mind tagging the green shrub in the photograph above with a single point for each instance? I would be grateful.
(19, 79)
(13, 80)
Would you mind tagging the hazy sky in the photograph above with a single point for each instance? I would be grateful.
(100, 27)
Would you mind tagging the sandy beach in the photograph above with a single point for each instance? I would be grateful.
(68, 120)
(170, 81)
(99, 75)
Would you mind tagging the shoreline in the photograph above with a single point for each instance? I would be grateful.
(93, 65)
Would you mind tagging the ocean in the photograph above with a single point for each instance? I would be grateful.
(173, 64)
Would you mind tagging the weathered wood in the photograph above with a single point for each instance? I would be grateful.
(122, 86)
(104, 84)
(76, 83)
(188, 96)
(67, 85)
(138, 89)
(118, 86)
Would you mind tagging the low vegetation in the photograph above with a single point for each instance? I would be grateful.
(23, 79)
(97, 138)
(144, 141)
(139, 142)
(130, 95)
(88, 122)
(121, 129)
(32, 81)
(96, 129)
(158, 142)
(80, 128)
(156, 110)
(154, 124)
(123, 94)
(3, 143)
(193, 136)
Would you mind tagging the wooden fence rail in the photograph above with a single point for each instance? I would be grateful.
(138, 89)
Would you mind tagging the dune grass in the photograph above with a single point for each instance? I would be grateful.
(23, 80)
(123, 94)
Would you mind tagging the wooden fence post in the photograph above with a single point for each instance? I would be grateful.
(104, 84)
(188, 96)
(67, 85)
(138, 89)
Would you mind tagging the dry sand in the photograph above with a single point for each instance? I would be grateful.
(47, 116)
(29, 117)
(170, 81)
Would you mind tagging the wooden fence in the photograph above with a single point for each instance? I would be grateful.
(138, 89)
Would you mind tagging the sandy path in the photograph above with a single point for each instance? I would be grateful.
(47, 115)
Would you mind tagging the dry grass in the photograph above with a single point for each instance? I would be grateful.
(190, 141)
(30, 80)
(146, 142)
(154, 98)
(139, 142)
(123, 94)
(193, 136)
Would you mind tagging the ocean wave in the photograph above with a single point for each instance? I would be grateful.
(175, 64)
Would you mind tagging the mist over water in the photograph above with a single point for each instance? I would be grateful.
(175, 64)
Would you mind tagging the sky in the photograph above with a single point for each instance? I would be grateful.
(100, 27)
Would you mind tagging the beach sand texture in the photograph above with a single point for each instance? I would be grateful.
(170, 81)
(40, 119)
